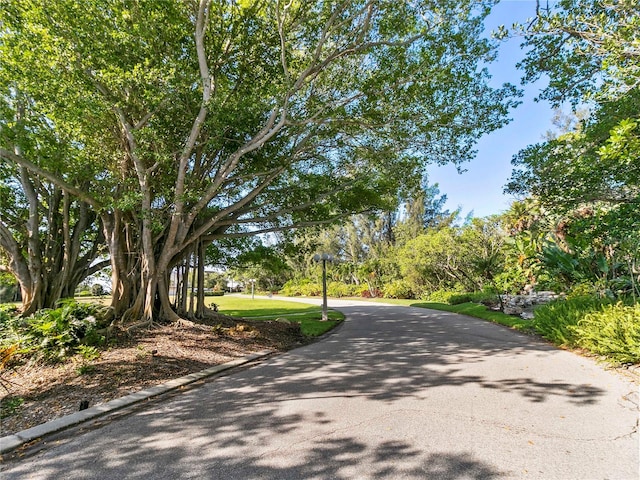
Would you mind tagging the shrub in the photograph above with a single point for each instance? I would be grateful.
(439, 296)
(361, 290)
(311, 289)
(370, 292)
(290, 289)
(613, 332)
(97, 290)
(511, 281)
(52, 334)
(397, 289)
(296, 288)
(338, 289)
(458, 298)
(88, 352)
(486, 298)
(556, 320)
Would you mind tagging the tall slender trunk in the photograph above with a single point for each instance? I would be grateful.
(201, 262)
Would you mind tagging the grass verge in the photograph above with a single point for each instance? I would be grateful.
(308, 316)
(480, 311)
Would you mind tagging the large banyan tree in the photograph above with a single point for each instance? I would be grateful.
(194, 121)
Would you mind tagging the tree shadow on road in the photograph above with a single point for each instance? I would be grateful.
(251, 424)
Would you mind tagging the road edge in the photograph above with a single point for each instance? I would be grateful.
(11, 442)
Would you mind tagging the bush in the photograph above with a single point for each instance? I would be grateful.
(556, 320)
(511, 281)
(297, 288)
(97, 290)
(613, 332)
(458, 298)
(397, 289)
(291, 288)
(486, 298)
(53, 334)
(338, 289)
(311, 289)
(439, 296)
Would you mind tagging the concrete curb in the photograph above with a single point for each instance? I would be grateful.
(11, 442)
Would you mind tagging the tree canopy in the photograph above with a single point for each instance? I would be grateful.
(196, 121)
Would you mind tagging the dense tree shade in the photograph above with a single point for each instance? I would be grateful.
(191, 122)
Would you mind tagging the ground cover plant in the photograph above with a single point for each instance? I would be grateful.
(53, 334)
(613, 332)
(598, 325)
(556, 321)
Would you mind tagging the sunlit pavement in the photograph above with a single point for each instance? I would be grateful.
(395, 392)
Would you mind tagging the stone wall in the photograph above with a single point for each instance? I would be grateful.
(523, 305)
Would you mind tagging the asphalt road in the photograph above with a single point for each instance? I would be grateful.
(395, 392)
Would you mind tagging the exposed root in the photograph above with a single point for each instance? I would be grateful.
(182, 323)
(139, 325)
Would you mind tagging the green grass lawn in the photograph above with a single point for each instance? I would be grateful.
(308, 316)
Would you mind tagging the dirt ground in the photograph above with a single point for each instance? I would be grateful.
(34, 393)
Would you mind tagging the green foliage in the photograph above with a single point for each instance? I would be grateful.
(454, 258)
(440, 296)
(511, 280)
(397, 289)
(304, 287)
(10, 405)
(459, 298)
(475, 297)
(583, 289)
(85, 369)
(8, 287)
(556, 320)
(594, 47)
(292, 288)
(339, 289)
(53, 334)
(311, 289)
(88, 352)
(586, 176)
(613, 332)
(244, 120)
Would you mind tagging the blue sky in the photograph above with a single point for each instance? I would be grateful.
(479, 189)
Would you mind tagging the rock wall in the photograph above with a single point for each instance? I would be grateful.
(523, 305)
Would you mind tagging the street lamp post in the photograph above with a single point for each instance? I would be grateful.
(324, 258)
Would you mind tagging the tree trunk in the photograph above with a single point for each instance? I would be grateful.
(124, 274)
(200, 301)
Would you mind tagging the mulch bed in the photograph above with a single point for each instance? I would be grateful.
(33, 393)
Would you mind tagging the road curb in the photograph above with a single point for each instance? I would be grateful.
(11, 442)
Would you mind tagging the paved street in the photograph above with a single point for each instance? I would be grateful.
(395, 392)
